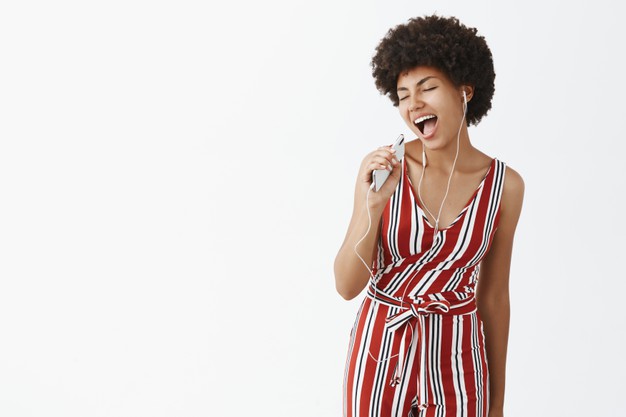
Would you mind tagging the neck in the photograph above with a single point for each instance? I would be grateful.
(442, 158)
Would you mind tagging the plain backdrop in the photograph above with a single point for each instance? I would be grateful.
(176, 178)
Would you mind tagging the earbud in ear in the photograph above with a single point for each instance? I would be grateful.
(465, 97)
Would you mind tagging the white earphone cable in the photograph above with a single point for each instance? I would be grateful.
(369, 225)
(451, 172)
(372, 278)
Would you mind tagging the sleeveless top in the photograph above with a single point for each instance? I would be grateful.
(421, 297)
(447, 262)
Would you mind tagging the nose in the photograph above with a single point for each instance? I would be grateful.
(416, 103)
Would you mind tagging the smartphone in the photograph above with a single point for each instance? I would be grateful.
(379, 176)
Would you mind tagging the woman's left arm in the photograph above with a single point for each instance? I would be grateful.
(492, 292)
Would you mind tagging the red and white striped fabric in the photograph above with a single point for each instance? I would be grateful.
(417, 346)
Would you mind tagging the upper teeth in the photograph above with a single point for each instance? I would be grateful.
(421, 119)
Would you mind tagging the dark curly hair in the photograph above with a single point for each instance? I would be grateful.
(443, 43)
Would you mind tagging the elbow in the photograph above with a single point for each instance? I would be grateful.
(348, 283)
(345, 287)
(347, 293)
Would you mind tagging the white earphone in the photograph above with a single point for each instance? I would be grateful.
(465, 108)
(374, 279)
(418, 188)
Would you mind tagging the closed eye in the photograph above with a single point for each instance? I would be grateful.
(425, 89)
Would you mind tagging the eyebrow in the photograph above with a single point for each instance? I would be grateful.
(420, 82)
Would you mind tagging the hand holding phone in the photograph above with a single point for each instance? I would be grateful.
(379, 176)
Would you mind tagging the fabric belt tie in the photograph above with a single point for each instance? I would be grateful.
(416, 311)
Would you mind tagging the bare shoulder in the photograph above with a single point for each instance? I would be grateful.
(513, 191)
(512, 198)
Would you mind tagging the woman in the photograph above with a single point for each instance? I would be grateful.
(430, 337)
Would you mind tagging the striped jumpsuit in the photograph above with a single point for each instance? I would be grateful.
(417, 347)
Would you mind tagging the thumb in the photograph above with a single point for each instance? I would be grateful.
(397, 170)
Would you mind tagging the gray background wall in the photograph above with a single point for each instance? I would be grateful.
(177, 177)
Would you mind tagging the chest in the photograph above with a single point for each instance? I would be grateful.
(442, 197)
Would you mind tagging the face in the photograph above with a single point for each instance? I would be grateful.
(431, 105)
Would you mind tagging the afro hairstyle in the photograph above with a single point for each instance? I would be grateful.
(443, 43)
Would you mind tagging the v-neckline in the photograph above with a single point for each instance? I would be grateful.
(467, 205)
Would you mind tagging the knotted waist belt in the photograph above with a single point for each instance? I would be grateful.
(414, 311)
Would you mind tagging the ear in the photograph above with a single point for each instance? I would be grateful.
(469, 90)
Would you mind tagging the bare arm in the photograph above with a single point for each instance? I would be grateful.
(492, 294)
(351, 275)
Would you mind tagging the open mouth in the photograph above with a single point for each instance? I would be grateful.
(426, 124)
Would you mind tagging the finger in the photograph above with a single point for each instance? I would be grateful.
(382, 152)
(381, 165)
(387, 148)
(386, 159)
(396, 173)
(376, 165)
(380, 160)
(387, 155)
